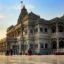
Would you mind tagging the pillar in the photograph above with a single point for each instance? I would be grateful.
(57, 36)
(19, 46)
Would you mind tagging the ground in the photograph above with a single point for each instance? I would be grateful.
(34, 59)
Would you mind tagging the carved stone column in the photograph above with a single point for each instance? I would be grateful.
(57, 36)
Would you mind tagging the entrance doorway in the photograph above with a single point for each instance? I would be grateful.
(54, 45)
(15, 49)
(61, 44)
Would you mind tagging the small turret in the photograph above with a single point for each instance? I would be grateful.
(23, 13)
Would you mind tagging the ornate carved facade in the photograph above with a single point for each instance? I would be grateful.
(3, 46)
(39, 35)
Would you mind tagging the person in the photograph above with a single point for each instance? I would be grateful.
(20, 53)
(29, 52)
(11, 51)
(7, 52)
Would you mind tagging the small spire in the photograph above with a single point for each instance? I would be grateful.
(21, 2)
(22, 5)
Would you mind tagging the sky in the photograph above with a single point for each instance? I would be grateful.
(10, 10)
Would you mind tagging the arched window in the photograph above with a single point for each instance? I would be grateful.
(41, 45)
(31, 46)
(36, 30)
(25, 31)
(36, 45)
(31, 31)
(46, 45)
(45, 29)
(61, 44)
(60, 28)
(54, 45)
(41, 29)
(53, 29)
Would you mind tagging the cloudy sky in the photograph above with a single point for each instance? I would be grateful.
(10, 10)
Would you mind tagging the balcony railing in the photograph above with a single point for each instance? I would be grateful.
(58, 50)
(57, 34)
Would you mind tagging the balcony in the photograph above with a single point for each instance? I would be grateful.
(11, 39)
(29, 36)
(60, 50)
(57, 34)
(42, 35)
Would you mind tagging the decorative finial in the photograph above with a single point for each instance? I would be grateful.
(21, 4)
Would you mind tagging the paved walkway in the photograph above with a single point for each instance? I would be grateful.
(44, 59)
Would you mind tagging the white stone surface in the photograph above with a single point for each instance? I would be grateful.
(34, 59)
